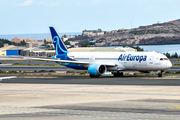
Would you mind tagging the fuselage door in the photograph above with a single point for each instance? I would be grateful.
(92, 59)
(151, 59)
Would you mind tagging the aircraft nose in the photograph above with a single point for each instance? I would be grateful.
(169, 64)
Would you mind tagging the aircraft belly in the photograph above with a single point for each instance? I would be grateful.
(138, 66)
(112, 68)
(74, 66)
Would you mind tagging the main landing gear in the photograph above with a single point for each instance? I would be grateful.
(93, 76)
(118, 74)
(160, 73)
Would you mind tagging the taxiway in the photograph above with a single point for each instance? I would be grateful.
(79, 98)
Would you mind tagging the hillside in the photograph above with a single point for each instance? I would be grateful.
(3, 41)
(160, 33)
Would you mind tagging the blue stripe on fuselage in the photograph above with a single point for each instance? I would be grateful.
(70, 65)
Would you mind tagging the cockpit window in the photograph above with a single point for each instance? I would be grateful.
(164, 59)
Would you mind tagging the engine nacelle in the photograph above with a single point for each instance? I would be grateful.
(97, 69)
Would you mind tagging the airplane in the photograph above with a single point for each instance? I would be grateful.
(98, 63)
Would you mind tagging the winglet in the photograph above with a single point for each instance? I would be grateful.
(58, 43)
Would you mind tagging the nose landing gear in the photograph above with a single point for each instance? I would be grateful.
(160, 73)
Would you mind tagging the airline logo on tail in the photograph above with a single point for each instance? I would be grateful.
(58, 43)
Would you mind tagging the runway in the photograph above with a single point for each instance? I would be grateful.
(105, 80)
(81, 97)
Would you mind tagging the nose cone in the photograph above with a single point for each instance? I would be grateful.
(169, 65)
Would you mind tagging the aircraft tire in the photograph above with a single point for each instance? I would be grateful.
(159, 74)
(115, 74)
(121, 74)
(118, 74)
(93, 76)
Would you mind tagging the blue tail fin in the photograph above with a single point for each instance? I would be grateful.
(58, 43)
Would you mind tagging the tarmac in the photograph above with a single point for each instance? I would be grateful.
(81, 97)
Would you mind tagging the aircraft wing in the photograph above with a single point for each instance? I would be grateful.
(1, 78)
(67, 61)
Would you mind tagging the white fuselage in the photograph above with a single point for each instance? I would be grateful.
(140, 61)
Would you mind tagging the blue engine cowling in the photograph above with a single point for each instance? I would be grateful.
(97, 69)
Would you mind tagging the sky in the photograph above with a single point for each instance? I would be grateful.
(35, 16)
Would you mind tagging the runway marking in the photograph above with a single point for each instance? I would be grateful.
(165, 77)
(158, 94)
(4, 110)
(174, 107)
(37, 77)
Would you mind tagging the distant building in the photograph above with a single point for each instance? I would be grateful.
(114, 31)
(2, 52)
(65, 39)
(73, 42)
(8, 50)
(107, 32)
(48, 40)
(30, 42)
(71, 36)
(38, 52)
(99, 44)
(18, 40)
(35, 43)
(93, 32)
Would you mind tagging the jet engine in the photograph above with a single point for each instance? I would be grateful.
(96, 69)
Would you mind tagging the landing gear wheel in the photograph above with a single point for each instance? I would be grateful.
(118, 74)
(121, 74)
(159, 74)
(93, 76)
(115, 74)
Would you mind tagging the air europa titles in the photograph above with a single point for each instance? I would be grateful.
(129, 57)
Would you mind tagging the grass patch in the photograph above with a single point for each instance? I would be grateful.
(149, 74)
(52, 72)
(176, 64)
